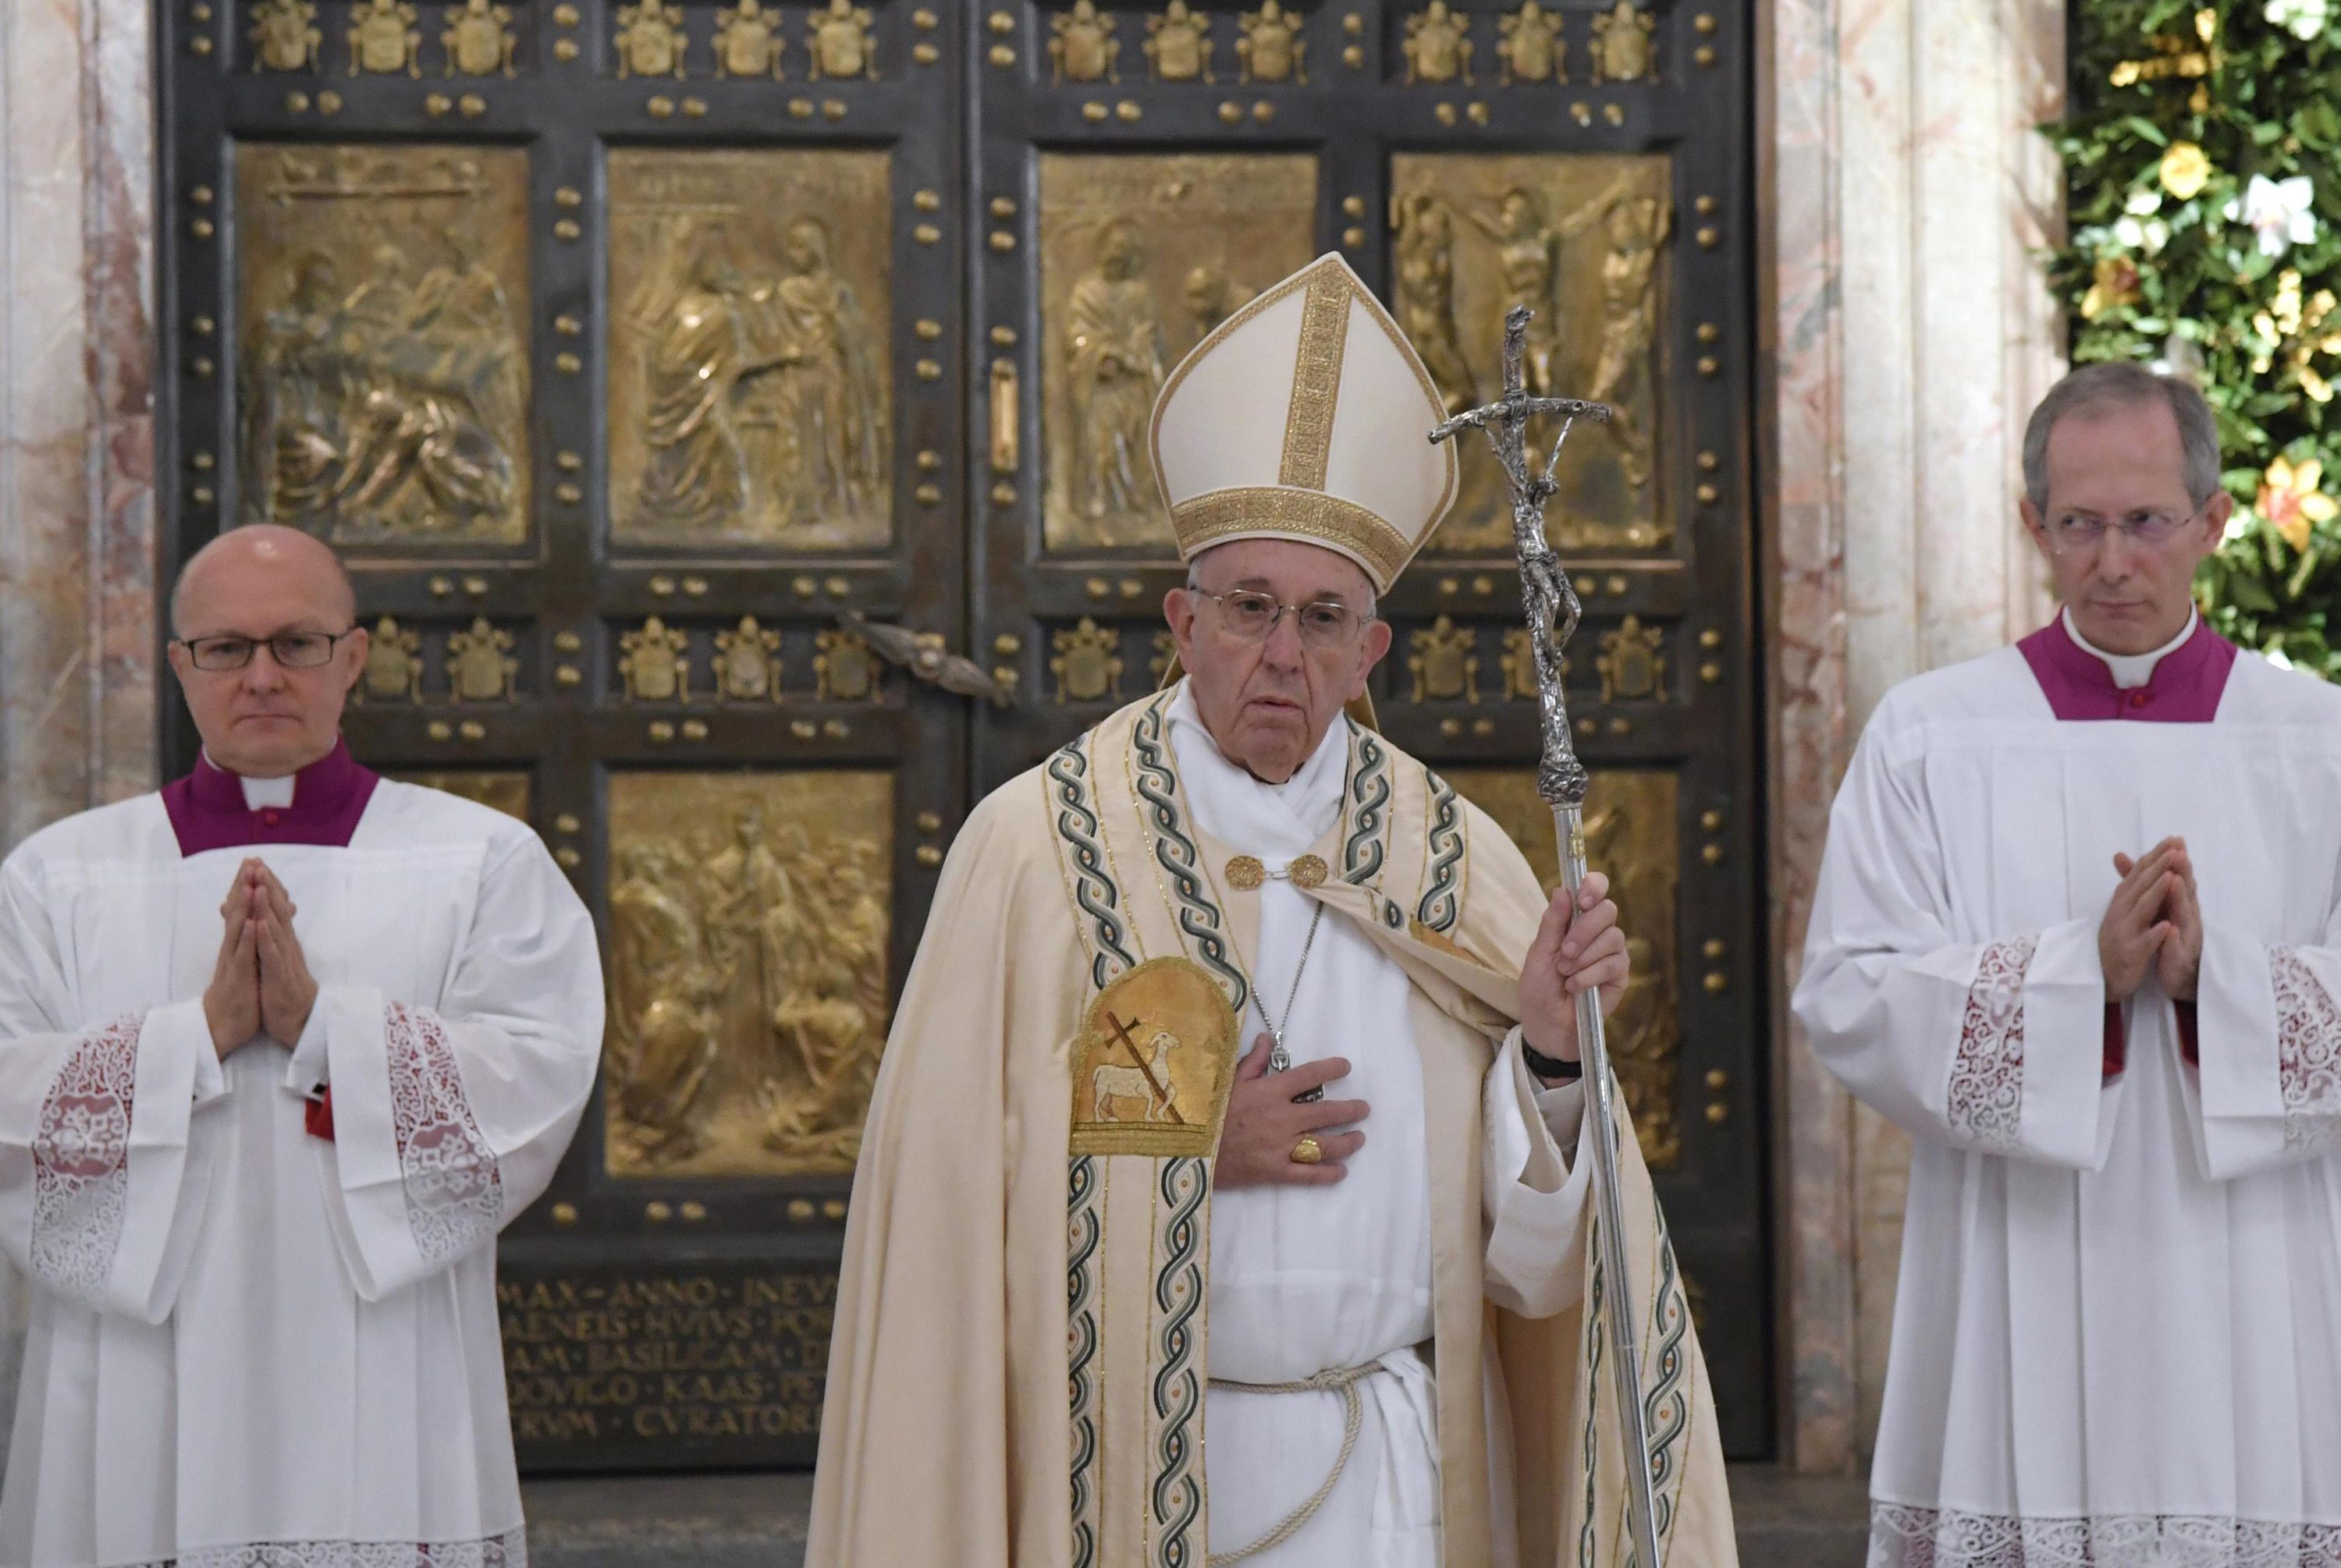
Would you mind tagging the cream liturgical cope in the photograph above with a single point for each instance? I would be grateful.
(1039, 1285)
(2118, 1334)
(264, 1329)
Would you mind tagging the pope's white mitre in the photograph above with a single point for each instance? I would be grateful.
(1306, 415)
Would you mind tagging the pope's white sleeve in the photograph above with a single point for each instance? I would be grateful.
(1533, 1194)
(449, 1118)
(1996, 1045)
(103, 1161)
(2268, 1038)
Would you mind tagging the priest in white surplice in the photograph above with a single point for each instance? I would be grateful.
(2076, 932)
(281, 1046)
(1112, 1299)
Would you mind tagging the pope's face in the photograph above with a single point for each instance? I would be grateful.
(267, 720)
(1268, 701)
(2114, 465)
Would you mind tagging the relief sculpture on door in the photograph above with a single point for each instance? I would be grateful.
(383, 373)
(749, 396)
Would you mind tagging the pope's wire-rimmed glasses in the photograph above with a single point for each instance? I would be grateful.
(1325, 625)
(291, 650)
(2086, 531)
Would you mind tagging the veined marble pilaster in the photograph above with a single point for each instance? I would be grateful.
(1908, 197)
(76, 354)
(77, 676)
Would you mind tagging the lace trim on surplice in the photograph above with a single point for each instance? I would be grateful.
(506, 1551)
(1987, 1096)
(454, 1190)
(1906, 1537)
(2307, 1051)
(81, 1158)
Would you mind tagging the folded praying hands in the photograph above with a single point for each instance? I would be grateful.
(2153, 924)
(260, 984)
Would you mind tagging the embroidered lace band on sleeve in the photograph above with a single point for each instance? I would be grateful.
(1986, 1095)
(81, 1158)
(455, 1191)
(2307, 1051)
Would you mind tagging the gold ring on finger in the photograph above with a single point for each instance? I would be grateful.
(1308, 1151)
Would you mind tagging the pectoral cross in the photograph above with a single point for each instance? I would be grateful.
(1119, 1030)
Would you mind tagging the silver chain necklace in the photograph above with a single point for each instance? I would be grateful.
(1278, 1059)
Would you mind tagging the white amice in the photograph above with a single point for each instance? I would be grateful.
(2118, 1334)
(252, 1346)
(1304, 1279)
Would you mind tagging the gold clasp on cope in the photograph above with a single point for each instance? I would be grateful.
(1247, 874)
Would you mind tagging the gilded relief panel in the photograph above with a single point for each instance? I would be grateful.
(504, 792)
(1579, 238)
(1140, 255)
(750, 383)
(749, 921)
(381, 361)
(1629, 833)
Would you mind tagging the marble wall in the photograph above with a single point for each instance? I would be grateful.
(1905, 197)
(1908, 199)
(77, 672)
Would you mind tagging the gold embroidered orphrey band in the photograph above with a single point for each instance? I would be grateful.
(1208, 519)
(1316, 381)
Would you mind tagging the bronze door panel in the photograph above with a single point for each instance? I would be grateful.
(750, 919)
(1140, 255)
(383, 370)
(750, 399)
(1576, 238)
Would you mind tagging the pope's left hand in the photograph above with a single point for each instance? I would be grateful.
(287, 993)
(1576, 949)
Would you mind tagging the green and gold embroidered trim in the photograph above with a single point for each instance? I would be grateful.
(1442, 898)
(1091, 882)
(1370, 795)
(1084, 1228)
(1182, 1220)
(1175, 853)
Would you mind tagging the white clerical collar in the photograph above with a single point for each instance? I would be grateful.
(1247, 812)
(2131, 669)
(262, 793)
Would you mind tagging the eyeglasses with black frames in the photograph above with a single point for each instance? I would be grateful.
(291, 650)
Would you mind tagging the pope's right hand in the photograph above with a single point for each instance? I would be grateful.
(1264, 1125)
(232, 1001)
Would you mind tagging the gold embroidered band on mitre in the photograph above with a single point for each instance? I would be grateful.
(1316, 381)
(1273, 510)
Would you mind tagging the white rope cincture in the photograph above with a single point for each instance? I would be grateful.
(1343, 1379)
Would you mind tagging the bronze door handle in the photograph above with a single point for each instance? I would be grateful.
(923, 655)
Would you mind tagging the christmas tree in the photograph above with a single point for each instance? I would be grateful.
(2202, 159)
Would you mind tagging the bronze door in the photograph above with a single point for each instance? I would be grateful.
(691, 384)
(1140, 172)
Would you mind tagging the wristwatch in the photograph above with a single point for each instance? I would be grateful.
(1546, 1066)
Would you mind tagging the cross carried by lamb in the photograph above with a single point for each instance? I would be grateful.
(1143, 1082)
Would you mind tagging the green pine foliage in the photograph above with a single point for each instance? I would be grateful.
(2202, 160)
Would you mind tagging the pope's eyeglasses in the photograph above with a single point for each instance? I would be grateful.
(1325, 625)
